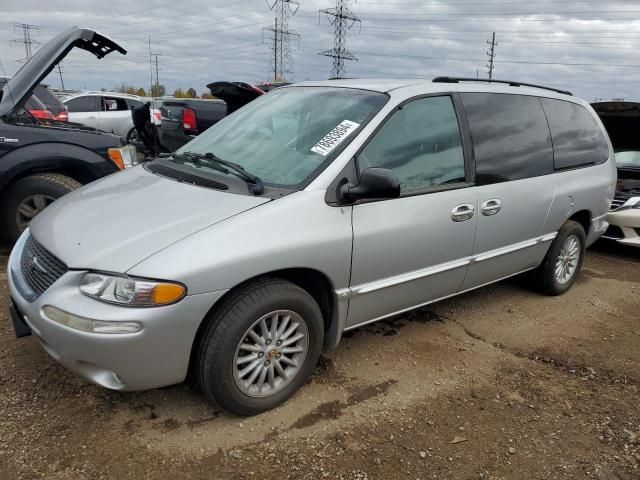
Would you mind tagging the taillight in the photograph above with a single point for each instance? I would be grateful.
(158, 116)
(189, 119)
(42, 114)
(63, 116)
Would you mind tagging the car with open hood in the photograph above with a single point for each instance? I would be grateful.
(312, 210)
(622, 121)
(42, 160)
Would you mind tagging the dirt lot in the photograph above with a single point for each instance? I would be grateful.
(501, 383)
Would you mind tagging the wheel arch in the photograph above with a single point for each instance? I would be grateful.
(81, 164)
(583, 217)
(314, 282)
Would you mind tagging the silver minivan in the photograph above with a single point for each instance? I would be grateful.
(313, 210)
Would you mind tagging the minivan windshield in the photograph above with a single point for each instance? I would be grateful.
(628, 159)
(286, 136)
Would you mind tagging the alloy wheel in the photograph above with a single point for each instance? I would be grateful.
(568, 258)
(271, 353)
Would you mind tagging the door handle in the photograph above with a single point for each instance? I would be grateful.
(462, 212)
(491, 206)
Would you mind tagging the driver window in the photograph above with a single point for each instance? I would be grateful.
(420, 144)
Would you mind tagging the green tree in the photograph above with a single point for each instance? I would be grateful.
(141, 92)
(178, 93)
(191, 93)
(158, 90)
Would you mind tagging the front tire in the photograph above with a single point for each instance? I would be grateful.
(259, 347)
(28, 197)
(563, 261)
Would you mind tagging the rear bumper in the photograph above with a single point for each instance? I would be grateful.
(625, 227)
(154, 357)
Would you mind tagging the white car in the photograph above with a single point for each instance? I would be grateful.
(107, 111)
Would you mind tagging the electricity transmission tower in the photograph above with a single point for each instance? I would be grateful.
(492, 54)
(155, 68)
(281, 61)
(342, 20)
(26, 39)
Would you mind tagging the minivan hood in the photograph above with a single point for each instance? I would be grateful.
(116, 222)
(20, 87)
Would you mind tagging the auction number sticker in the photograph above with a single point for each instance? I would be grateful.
(334, 138)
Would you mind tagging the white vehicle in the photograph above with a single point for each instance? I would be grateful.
(107, 111)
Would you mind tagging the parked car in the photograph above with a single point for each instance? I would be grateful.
(42, 160)
(313, 210)
(52, 103)
(268, 86)
(622, 121)
(53, 109)
(182, 119)
(107, 111)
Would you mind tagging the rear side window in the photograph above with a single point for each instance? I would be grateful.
(83, 104)
(110, 104)
(420, 144)
(577, 138)
(510, 136)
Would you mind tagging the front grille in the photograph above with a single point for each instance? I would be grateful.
(622, 196)
(39, 267)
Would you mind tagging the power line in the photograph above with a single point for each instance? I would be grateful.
(281, 61)
(342, 19)
(492, 54)
(26, 39)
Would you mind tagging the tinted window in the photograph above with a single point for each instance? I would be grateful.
(134, 104)
(83, 104)
(45, 96)
(510, 136)
(577, 138)
(420, 143)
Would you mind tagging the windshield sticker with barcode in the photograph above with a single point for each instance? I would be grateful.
(334, 138)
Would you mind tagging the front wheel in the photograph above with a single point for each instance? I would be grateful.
(563, 261)
(27, 197)
(259, 347)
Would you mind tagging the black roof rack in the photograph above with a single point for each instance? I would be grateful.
(507, 82)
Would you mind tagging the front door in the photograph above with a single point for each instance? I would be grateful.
(414, 249)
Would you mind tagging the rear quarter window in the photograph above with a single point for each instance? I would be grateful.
(578, 140)
(510, 136)
(83, 104)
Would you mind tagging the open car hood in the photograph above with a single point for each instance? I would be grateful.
(20, 87)
(234, 94)
(622, 121)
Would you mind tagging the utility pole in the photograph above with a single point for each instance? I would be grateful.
(492, 54)
(282, 62)
(60, 73)
(27, 41)
(342, 20)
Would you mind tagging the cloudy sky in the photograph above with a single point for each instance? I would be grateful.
(589, 46)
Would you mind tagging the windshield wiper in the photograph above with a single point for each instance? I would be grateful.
(224, 166)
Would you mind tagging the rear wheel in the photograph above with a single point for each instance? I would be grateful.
(260, 347)
(27, 197)
(563, 261)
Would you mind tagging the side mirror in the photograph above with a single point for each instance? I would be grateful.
(373, 183)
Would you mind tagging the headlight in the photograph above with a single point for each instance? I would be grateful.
(131, 292)
(124, 157)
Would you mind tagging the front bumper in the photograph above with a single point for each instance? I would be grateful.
(625, 226)
(154, 357)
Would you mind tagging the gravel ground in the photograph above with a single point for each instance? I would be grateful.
(500, 383)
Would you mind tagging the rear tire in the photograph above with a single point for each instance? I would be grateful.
(27, 197)
(563, 261)
(247, 368)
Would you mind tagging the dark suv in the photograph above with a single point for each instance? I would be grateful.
(42, 160)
